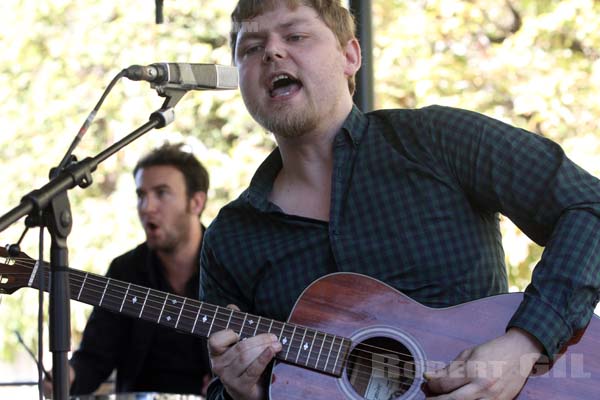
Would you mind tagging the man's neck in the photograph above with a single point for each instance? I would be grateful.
(181, 264)
(308, 159)
(303, 186)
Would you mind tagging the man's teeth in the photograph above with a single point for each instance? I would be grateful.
(279, 77)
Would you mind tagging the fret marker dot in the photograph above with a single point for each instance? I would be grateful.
(284, 341)
(168, 318)
(174, 301)
(134, 300)
(305, 347)
(204, 319)
(251, 322)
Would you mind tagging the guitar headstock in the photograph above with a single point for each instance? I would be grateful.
(14, 271)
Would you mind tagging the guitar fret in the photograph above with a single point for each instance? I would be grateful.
(144, 305)
(300, 347)
(328, 354)
(248, 325)
(131, 305)
(170, 309)
(291, 341)
(338, 356)
(81, 288)
(180, 311)
(188, 312)
(124, 297)
(229, 320)
(104, 292)
(197, 315)
(311, 348)
(33, 275)
(162, 308)
(270, 326)
(257, 325)
(281, 331)
(320, 351)
(243, 326)
(212, 322)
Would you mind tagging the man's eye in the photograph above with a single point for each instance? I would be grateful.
(295, 38)
(252, 49)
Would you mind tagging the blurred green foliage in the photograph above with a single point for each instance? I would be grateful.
(533, 63)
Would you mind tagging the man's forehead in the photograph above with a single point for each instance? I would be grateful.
(157, 174)
(293, 17)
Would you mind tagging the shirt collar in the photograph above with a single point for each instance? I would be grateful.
(355, 125)
(260, 186)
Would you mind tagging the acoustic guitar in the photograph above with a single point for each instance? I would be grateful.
(348, 337)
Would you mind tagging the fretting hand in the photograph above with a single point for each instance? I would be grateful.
(241, 364)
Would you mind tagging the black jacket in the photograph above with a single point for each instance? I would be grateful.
(116, 341)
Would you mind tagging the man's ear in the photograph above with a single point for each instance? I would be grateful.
(197, 202)
(353, 57)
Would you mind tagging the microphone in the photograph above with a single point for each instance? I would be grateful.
(182, 76)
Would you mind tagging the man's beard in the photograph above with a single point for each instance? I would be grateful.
(178, 234)
(168, 245)
(286, 121)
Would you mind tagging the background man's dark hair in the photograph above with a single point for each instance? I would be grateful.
(196, 176)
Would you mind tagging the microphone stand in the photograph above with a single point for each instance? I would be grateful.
(49, 206)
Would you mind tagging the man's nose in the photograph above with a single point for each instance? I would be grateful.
(274, 50)
(147, 204)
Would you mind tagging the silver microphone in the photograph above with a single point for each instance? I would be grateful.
(183, 76)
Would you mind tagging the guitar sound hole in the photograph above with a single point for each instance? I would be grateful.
(380, 368)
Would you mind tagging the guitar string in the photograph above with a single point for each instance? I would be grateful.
(100, 283)
(236, 322)
(360, 374)
(295, 348)
(162, 304)
(91, 279)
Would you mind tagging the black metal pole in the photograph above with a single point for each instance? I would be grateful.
(363, 96)
(59, 223)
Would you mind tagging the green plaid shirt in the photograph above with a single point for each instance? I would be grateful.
(415, 202)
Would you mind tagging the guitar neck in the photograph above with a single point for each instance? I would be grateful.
(301, 346)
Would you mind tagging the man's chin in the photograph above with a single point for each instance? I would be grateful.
(291, 124)
(160, 246)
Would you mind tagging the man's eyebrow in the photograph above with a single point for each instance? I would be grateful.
(254, 32)
(153, 188)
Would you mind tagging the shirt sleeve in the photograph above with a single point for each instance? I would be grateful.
(216, 391)
(556, 203)
(217, 287)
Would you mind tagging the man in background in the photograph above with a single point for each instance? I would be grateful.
(171, 187)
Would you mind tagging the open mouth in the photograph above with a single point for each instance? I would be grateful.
(151, 226)
(284, 85)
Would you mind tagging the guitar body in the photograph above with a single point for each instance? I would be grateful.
(413, 338)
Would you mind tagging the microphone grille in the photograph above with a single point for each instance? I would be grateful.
(227, 77)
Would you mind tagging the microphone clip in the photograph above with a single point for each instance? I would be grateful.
(171, 93)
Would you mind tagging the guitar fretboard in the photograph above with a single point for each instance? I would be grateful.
(301, 346)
